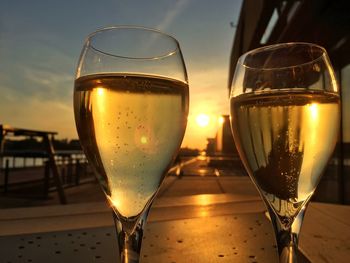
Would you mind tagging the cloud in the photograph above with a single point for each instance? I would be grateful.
(37, 70)
(170, 16)
(48, 83)
(37, 86)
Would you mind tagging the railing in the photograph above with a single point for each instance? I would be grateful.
(72, 166)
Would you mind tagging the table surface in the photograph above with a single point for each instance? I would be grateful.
(197, 228)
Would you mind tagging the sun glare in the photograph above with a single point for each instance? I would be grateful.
(221, 120)
(202, 120)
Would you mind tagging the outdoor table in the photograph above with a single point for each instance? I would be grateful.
(198, 228)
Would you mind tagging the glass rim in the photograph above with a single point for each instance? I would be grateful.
(277, 46)
(89, 38)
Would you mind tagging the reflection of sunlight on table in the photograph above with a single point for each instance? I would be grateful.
(204, 200)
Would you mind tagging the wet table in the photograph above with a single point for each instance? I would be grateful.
(199, 228)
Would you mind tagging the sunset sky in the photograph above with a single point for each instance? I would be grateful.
(40, 42)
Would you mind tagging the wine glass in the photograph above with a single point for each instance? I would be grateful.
(285, 111)
(131, 104)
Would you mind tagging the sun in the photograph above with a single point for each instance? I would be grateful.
(202, 120)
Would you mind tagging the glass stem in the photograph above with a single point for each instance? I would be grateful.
(130, 239)
(287, 236)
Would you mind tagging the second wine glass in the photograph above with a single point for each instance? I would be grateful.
(131, 105)
(285, 119)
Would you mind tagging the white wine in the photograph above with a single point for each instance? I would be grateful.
(285, 139)
(131, 127)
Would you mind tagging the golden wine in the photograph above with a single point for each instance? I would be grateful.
(131, 127)
(285, 139)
